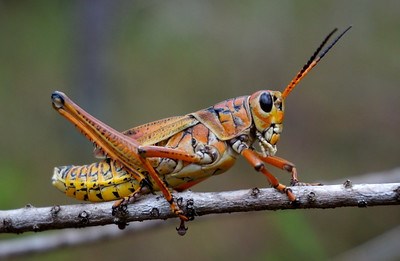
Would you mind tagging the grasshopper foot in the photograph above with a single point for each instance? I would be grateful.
(182, 229)
(120, 207)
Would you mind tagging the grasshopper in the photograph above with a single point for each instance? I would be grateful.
(179, 152)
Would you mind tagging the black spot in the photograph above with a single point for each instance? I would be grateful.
(130, 132)
(219, 110)
(99, 195)
(237, 107)
(259, 167)
(210, 109)
(116, 194)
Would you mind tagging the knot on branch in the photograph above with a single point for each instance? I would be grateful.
(311, 197)
(84, 218)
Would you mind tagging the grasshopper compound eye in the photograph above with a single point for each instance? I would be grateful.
(266, 102)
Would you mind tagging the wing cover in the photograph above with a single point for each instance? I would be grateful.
(157, 131)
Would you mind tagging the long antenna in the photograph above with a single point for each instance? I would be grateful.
(314, 59)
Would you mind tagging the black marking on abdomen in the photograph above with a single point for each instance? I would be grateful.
(116, 194)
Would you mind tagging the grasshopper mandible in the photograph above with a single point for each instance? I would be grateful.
(179, 152)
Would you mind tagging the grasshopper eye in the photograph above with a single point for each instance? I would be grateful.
(266, 102)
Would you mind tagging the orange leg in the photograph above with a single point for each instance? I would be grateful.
(288, 166)
(254, 159)
(163, 188)
(160, 184)
(120, 205)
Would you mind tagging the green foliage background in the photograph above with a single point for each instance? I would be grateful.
(131, 62)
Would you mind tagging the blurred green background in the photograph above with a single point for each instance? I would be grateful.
(131, 62)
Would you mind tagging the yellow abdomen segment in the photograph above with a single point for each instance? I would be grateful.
(101, 181)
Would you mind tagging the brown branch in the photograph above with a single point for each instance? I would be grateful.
(150, 207)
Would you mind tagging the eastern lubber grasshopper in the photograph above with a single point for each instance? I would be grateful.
(179, 152)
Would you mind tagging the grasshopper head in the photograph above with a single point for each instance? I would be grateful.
(267, 110)
(267, 107)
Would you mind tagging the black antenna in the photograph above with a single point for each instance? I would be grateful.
(314, 59)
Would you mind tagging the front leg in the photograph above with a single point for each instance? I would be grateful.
(254, 159)
(288, 166)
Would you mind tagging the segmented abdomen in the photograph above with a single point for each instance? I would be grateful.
(101, 181)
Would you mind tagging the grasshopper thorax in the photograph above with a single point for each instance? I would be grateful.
(267, 110)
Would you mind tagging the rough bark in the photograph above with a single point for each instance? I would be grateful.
(151, 207)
